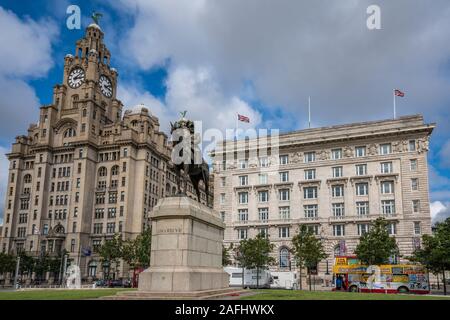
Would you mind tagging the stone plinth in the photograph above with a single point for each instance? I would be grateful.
(186, 251)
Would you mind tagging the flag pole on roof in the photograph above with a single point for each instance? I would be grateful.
(309, 111)
(397, 93)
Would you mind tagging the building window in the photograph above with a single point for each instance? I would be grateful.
(362, 208)
(283, 194)
(242, 215)
(360, 152)
(243, 180)
(337, 172)
(414, 184)
(72, 245)
(412, 145)
(263, 232)
(338, 210)
(387, 187)
(310, 192)
(417, 229)
(110, 227)
(363, 228)
(284, 176)
(385, 149)
(336, 154)
(413, 164)
(310, 157)
(242, 234)
(263, 162)
(388, 207)
(284, 159)
(223, 182)
(338, 230)
(102, 172)
(311, 211)
(362, 189)
(310, 174)
(284, 258)
(392, 228)
(222, 198)
(98, 228)
(263, 196)
(125, 152)
(263, 214)
(283, 232)
(243, 164)
(45, 229)
(284, 213)
(337, 191)
(313, 228)
(386, 167)
(243, 197)
(361, 169)
(262, 178)
(416, 206)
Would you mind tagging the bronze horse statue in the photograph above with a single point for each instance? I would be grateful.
(193, 167)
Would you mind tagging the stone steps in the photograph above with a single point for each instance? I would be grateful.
(193, 295)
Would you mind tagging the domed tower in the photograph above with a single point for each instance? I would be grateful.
(89, 85)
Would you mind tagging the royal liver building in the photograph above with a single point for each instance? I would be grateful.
(86, 170)
(335, 180)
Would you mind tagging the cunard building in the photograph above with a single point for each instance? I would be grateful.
(335, 180)
(87, 170)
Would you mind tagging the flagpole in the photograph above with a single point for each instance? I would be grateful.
(309, 111)
(236, 127)
(395, 106)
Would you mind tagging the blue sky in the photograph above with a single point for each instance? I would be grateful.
(258, 58)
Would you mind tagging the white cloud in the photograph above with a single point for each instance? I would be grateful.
(195, 90)
(439, 211)
(26, 45)
(293, 49)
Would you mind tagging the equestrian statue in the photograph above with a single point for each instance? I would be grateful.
(187, 157)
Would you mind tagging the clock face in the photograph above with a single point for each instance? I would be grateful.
(105, 86)
(76, 77)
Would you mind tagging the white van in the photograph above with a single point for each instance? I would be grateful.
(284, 280)
(249, 277)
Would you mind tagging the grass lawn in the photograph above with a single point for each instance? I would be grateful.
(328, 295)
(57, 294)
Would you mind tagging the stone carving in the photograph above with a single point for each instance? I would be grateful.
(323, 155)
(348, 152)
(396, 146)
(405, 145)
(424, 145)
(253, 162)
(373, 149)
(296, 157)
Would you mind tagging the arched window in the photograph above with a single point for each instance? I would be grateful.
(134, 123)
(75, 99)
(102, 172)
(174, 191)
(337, 250)
(27, 178)
(70, 133)
(115, 170)
(284, 258)
(84, 113)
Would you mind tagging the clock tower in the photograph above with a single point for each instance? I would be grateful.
(89, 85)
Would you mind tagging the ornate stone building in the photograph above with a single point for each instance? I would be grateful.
(335, 180)
(86, 170)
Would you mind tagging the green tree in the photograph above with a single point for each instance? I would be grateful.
(434, 253)
(110, 252)
(242, 256)
(27, 264)
(7, 263)
(376, 246)
(308, 251)
(256, 254)
(136, 252)
(226, 258)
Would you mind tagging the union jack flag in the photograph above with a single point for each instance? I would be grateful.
(398, 93)
(243, 118)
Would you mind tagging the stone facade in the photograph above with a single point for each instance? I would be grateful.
(333, 179)
(86, 170)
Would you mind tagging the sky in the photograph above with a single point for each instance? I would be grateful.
(258, 58)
